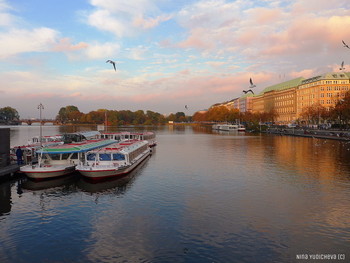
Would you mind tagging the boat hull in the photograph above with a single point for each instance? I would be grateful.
(46, 172)
(96, 174)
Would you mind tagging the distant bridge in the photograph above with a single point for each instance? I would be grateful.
(43, 121)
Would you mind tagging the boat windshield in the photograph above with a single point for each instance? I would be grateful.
(104, 157)
(118, 156)
(65, 156)
(91, 157)
(55, 156)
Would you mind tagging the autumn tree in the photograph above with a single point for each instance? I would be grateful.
(341, 110)
(314, 113)
(218, 113)
(200, 116)
(69, 114)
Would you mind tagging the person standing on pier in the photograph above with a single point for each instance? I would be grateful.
(19, 154)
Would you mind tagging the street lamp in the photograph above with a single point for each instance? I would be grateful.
(41, 107)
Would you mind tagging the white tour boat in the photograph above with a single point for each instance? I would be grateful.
(122, 136)
(228, 127)
(33, 145)
(114, 160)
(37, 142)
(61, 159)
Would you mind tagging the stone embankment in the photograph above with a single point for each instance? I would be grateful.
(312, 133)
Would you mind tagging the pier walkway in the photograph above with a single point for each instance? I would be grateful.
(311, 133)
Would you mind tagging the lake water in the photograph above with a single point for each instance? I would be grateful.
(202, 196)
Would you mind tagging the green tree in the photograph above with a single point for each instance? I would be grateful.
(139, 117)
(8, 114)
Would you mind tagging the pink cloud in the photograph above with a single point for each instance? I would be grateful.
(198, 38)
(216, 64)
(65, 45)
(306, 73)
(266, 15)
(148, 23)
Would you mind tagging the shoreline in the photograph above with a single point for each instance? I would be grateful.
(310, 133)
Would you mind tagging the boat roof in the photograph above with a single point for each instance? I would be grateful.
(126, 132)
(124, 146)
(77, 147)
(84, 133)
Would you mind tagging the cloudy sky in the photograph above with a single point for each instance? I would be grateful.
(168, 53)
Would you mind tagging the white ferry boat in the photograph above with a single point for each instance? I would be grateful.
(37, 142)
(61, 160)
(122, 136)
(33, 145)
(228, 127)
(114, 160)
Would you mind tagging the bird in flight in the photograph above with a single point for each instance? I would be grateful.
(251, 84)
(246, 91)
(345, 45)
(113, 63)
(186, 107)
(342, 66)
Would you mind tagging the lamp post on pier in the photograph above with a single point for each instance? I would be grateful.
(40, 108)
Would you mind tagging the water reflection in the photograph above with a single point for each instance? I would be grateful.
(203, 197)
(5, 198)
(115, 186)
(50, 183)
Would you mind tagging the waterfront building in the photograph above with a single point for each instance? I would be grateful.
(289, 98)
(326, 90)
(245, 102)
(280, 98)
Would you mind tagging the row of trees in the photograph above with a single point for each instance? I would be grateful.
(71, 114)
(317, 114)
(223, 114)
(314, 114)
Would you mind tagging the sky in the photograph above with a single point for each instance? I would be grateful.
(168, 53)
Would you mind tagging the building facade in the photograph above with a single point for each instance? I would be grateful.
(326, 90)
(290, 98)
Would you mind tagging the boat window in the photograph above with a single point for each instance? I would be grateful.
(65, 156)
(105, 157)
(74, 156)
(118, 156)
(91, 157)
(55, 156)
(46, 157)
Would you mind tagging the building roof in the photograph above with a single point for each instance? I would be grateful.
(284, 85)
(329, 75)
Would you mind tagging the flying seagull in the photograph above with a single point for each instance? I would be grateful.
(113, 63)
(246, 91)
(342, 66)
(345, 45)
(186, 107)
(251, 84)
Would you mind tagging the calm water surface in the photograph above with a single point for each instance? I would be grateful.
(201, 197)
